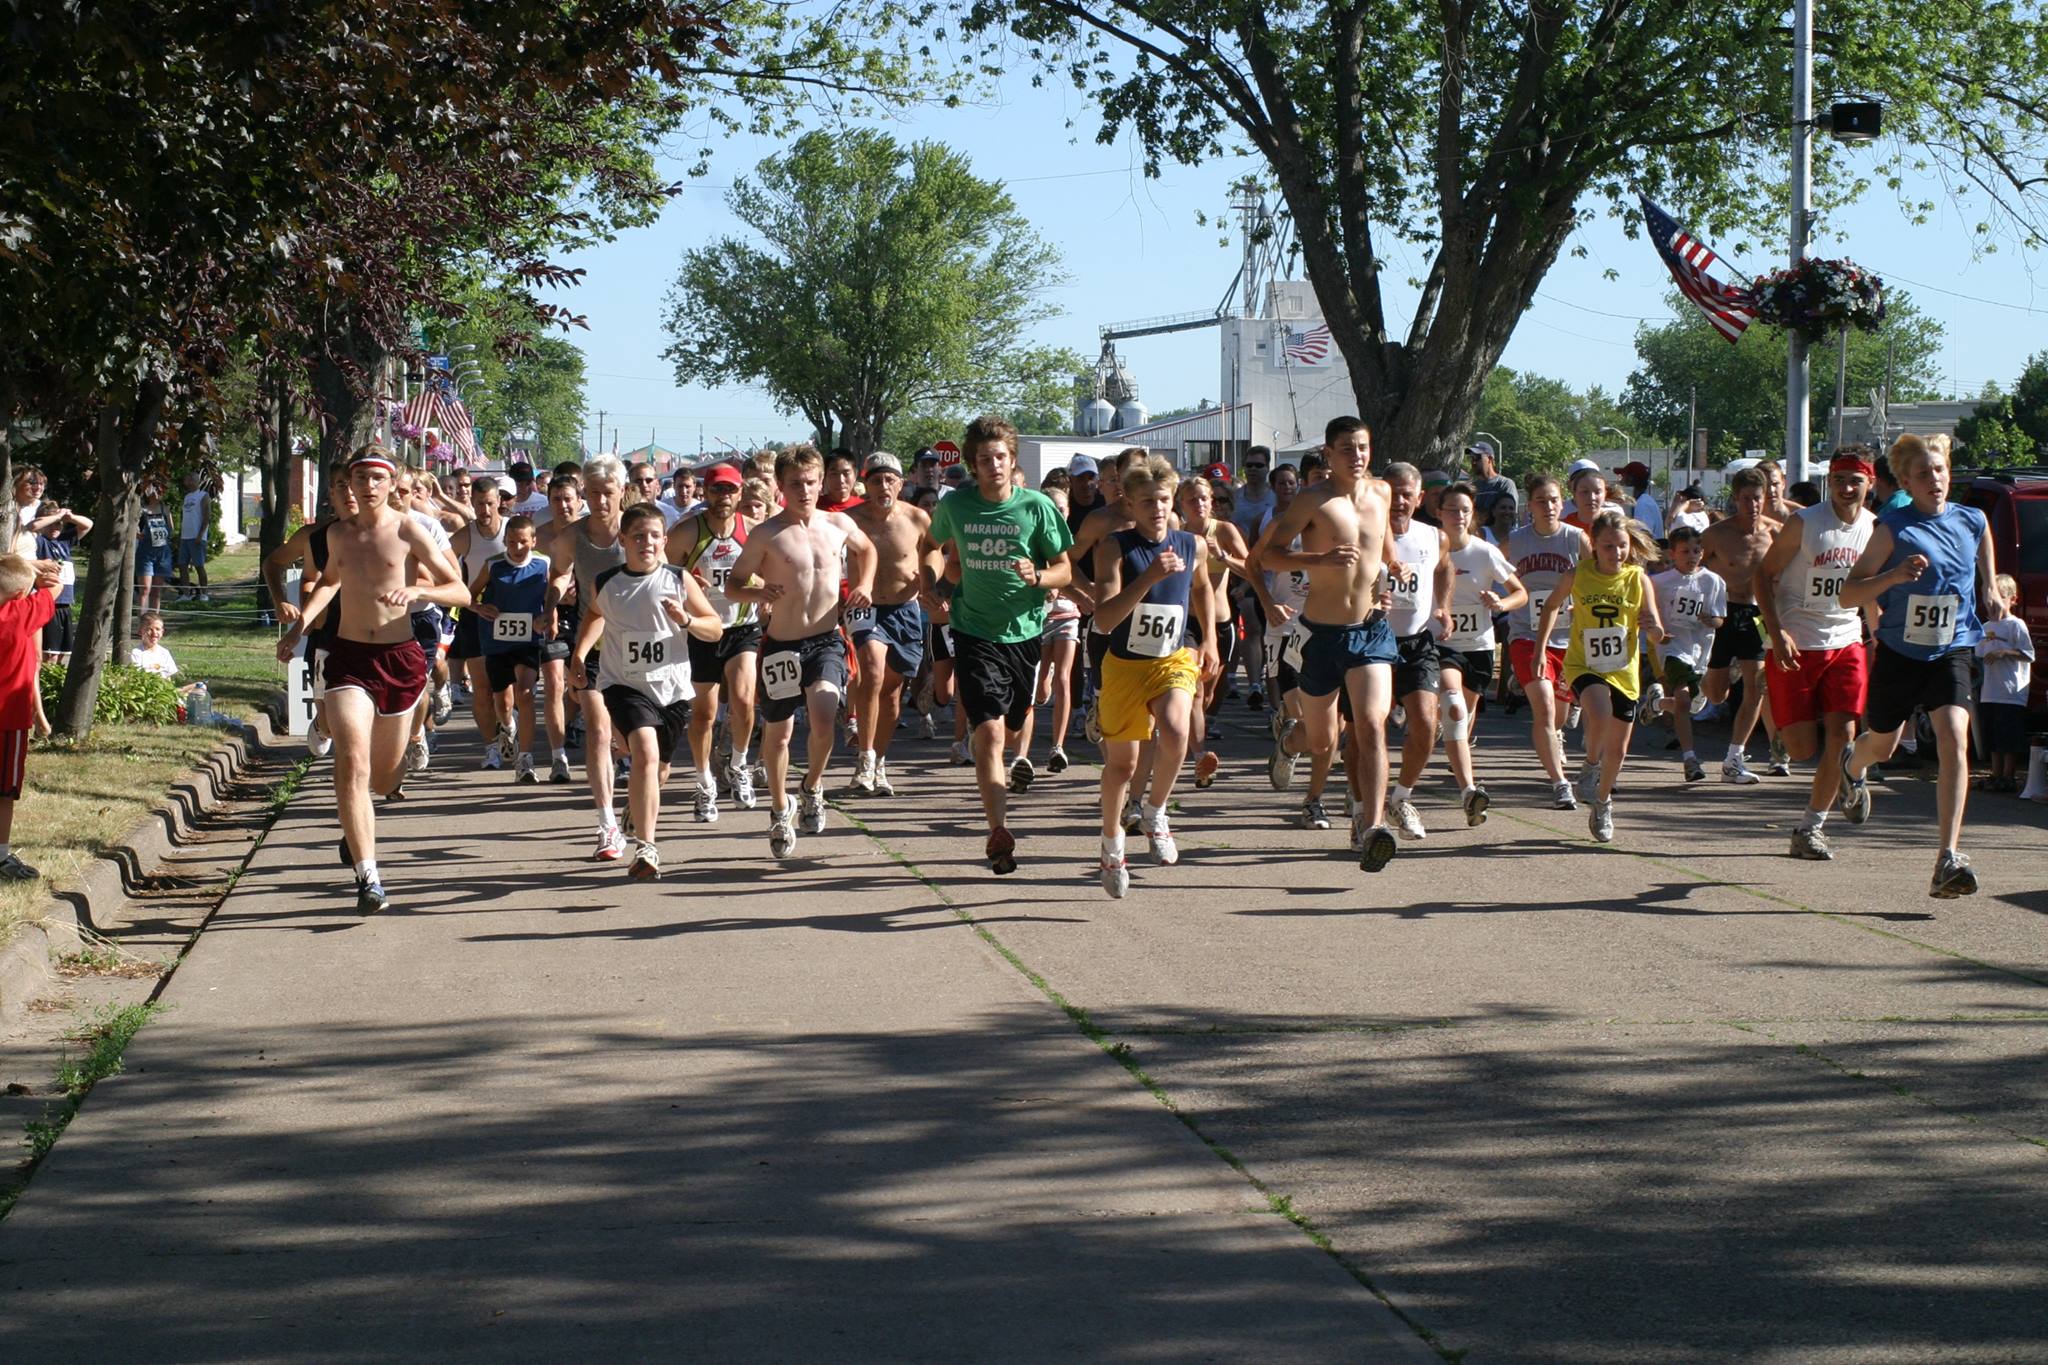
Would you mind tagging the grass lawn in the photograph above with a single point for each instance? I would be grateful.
(221, 642)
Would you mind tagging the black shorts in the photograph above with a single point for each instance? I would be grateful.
(555, 649)
(59, 630)
(1898, 683)
(469, 642)
(1475, 666)
(708, 658)
(426, 629)
(1740, 636)
(502, 668)
(2005, 727)
(1098, 649)
(939, 639)
(1415, 666)
(996, 680)
(1226, 641)
(631, 709)
(791, 668)
(1624, 707)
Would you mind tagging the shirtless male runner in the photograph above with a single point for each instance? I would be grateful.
(578, 553)
(890, 632)
(308, 544)
(374, 672)
(1346, 642)
(1734, 548)
(706, 544)
(800, 556)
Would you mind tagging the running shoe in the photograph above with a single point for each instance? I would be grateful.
(1952, 878)
(781, 835)
(1811, 845)
(1600, 820)
(13, 869)
(1407, 821)
(370, 898)
(1572, 716)
(1256, 701)
(1131, 815)
(1021, 774)
(1476, 802)
(622, 768)
(1116, 876)
(1587, 787)
(1205, 769)
(1781, 760)
(1379, 850)
(882, 787)
(492, 761)
(931, 727)
(646, 864)
(444, 704)
(1092, 725)
(705, 807)
(558, 771)
(1058, 762)
(864, 773)
(1313, 816)
(1695, 771)
(740, 777)
(1561, 797)
(1855, 791)
(1001, 852)
(1165, 851)
(1359, 831)
(416, 756)
(524, 772)
(1281, 768)
(611, 844)
(963, 757)
(1398, 716)
(503, 739)
(318, 742)
(1652, 704)
(810, 812)
(1736, 771)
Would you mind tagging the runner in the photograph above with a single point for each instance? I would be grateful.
(800, 555)
(1223, 551)
(308, 545)
(1927, 567)
(706, 545)
(1610, 604)
(1107, 519)
(475, 545)
(1011, 546)
(509, 592)
(889, 634)
(837, 493)
(1692, 602)
(374, 671)
(1543, 552)
(578, 551)
(643, 676)
(1347, 646)
(1420, 577)
(1733, 549)
(1483, 586)
(1819, 669)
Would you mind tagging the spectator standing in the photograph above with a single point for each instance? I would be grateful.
(1635, 476)
(1489, 486)
(192, 532)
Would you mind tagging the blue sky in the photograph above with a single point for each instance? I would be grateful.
(1133, 249)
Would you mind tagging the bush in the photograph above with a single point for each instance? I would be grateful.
(127, 694)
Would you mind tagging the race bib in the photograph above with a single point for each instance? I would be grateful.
(67, 573)
(859, 619)
(512, 627)
(1468, 623)
(1931, 620)
(159, 535)
(643, 653)
(1535, 608)
(1405, 582)
(1156, 629)
(1824, 588)
(1686, 606)
(1290, 653)
(1606, 649)
(782, 674)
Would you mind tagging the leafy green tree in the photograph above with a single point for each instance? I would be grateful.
(886, 279)
(525, 378)
(1544, 423)
(1481, 136)
(1741, 388)
(2009, 428)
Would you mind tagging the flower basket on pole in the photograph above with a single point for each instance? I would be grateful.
(1820, 296)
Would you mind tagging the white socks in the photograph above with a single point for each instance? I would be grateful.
(1402, 793)
(366, 872)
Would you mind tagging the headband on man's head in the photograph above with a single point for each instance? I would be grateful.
(372, 458)
(1852, 462)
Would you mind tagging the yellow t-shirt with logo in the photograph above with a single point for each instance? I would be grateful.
(1604, 612)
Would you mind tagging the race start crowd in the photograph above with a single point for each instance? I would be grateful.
(1364, 596)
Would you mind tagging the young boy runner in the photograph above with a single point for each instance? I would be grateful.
(579, 550)
(1011, 545)
(1483, 585)
(706, 544)
(890, 633)
(649, 608)
(1151, 582)
(1819, 670)
(1733, 549)
(475, 545)
(1927, 566)
(1224, 551)
(800, 556)
(509, 593)
(1610, 602)
(1543, 552)
(1421, 579)
(1692, 601)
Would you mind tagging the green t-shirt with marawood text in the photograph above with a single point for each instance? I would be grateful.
(993, 602)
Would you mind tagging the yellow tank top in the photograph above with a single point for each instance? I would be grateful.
(1604, 640)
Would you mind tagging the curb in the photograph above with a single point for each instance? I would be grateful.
(94, 898)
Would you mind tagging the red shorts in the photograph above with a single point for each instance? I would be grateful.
(13, 763)
(1522, 658)
(1825, 682)
(393, 675)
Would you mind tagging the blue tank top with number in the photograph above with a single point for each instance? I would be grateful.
(1937, 613)
(516, 590)
(1158, 625)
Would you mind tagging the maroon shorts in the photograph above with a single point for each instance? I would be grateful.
(393, 675)
(1825, 682)
(1522, 659)
(13, 763)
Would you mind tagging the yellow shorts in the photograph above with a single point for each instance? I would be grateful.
(1130, 686)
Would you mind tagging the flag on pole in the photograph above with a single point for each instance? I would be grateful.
(1308, 346)
(455, 420)
(423, 409)
(1728, 308)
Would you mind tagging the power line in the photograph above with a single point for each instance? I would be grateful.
(1994, 303)
(1625, 317)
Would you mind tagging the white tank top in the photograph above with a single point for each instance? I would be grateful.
(1416, 552)
(712, 562)
(1289, 587)
(1539, 562)
(642, 646)
(1810, 592)
(482, 549)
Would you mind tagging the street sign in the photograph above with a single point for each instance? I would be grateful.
(949, 454)
(298, 672)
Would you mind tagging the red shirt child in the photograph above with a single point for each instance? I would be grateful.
(27, 601)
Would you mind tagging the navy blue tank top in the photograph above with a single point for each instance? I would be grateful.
(1158, 625)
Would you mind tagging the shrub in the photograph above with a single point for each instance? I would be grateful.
(127, 694)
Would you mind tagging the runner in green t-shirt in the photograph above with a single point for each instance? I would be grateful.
(1011, 544)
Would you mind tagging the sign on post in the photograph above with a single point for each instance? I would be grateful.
(298, 679)
(949, 454)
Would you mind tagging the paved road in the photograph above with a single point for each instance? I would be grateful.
(1678, 1099)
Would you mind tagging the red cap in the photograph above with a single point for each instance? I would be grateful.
(722, 474)
(1853, 462)
(1634, 470)
(1216, 471)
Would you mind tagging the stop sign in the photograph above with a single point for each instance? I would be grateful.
(949, 454)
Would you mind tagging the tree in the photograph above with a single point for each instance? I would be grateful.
(1741, 388)
(1543, 423)
(886, 279)
(1041, 406)
(524, 379)
(1481, 135)
(2009, 428)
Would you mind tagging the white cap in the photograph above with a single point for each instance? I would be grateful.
(1578, 467)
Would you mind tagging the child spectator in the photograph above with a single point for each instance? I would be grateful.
(55, 544)
(2007, 650)
(151, 654)
(27, 601)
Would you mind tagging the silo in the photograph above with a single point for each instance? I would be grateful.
(1098, 415)
(1131, 413)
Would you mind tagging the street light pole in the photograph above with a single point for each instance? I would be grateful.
(1796, 405)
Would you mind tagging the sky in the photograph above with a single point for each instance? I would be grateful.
(1134, 248)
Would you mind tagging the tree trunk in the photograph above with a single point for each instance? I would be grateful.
(274, 463)
(120, 459)
(124, 591)
(348, 378)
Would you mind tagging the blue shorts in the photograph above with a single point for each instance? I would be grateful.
(192, 553)
(900, 628)
(1329, 653)
(155, 561)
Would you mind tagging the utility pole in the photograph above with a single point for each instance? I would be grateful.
(1841, 382)
(600, 429)
(1796, 402)
(1692, 433)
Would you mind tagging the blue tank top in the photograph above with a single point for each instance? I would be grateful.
(1158, 625)
(518, 591)
(1936, 615)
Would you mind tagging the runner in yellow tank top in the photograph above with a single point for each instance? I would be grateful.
(1610, 601)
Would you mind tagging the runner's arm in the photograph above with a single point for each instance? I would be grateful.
(1989, 605)
(1109, 575)
(1784, 549)
(443, 585)
(589, 629)
(739, 586)
(277, 561)
(1202, 602)
(695, 615)
(1516, 596)
(861, 561)
(1231, 550)
(1446, 579)
(1279, 531)
(1652, 615)
(1868, 581)
(312, 609)
(479, 588)
(1547, 621)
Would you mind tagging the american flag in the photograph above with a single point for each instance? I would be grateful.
(460, 430)
(423, 409)
(1309, 346)
(1730, 309)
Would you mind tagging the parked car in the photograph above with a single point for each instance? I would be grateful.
(2015, 500)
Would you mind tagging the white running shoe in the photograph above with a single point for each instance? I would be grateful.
(1407, 820)
(740, 777)
(416, 757)
(963, 756)
(1561, 797)
(558, 771)
(1588, 785)
(1165, 851)
(1281, 768)
(882, 787)
(1021, 774)
(1313, 816)
(1600, 820)
(1736, 771)
(492, 759)
(810, 812)
(705, 807)
(646, 864)
(1572, 716)
(611, 844)
(1116, 876)
(524, 771)
(1130, 815)
(931, 727)
(318, 742)
(781, 836)
(864, 773)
